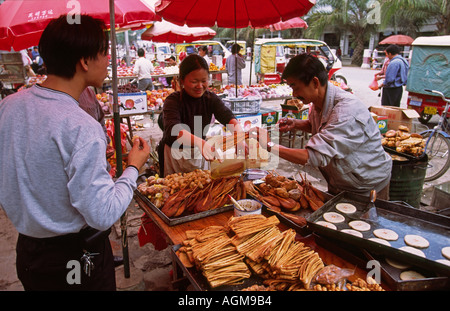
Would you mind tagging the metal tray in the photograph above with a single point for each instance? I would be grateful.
(172, 221)
(302, 230)
(391, 275)
(402, 219)
(403, 154)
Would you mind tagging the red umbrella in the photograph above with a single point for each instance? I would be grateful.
(397, 39)
(256, 13)
(167, 32)
(295, 22)
(23, 21)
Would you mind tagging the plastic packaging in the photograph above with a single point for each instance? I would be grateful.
(332, 274)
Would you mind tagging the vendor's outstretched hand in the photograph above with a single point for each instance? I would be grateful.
(286, 124)
(139, 153)
(209, 152)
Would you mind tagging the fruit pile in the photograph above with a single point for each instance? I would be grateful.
(264, 91)
(213, 67)
(156, 98)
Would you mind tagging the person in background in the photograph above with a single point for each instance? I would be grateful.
(186, 115)
(170, 61)
(143, 69)
(38, 62)
(26, 60)
(234, 65)
(339, 53)
(55, 187)
(345, 144)
(395, 77)
(381, 74)
(203, 52)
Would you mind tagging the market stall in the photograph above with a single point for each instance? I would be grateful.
(336, 241)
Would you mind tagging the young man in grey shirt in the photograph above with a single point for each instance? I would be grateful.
(54, 183)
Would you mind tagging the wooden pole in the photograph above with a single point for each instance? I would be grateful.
(117, 134)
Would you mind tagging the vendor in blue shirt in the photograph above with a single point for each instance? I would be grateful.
(345, 143)
(395, 78)
(55, 186)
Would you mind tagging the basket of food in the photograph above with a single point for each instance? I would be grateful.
(245, 105)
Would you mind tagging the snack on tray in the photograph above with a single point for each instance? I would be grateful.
(403, 141)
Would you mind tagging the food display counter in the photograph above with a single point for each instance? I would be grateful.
(342, 251)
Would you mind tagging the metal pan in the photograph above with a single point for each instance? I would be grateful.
(391, 275)
(403, 154)
(172, 221)
(402, 219)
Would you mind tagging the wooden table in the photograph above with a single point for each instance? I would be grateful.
(176, 235)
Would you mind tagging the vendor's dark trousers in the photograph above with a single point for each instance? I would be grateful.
(145, 84)
(47, 264)
(391, 96)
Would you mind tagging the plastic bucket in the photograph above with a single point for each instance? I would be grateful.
(407, 179)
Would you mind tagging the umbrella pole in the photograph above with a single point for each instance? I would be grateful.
(235, 56)
(251, 58)
(117, 140)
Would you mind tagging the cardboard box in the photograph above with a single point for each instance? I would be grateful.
(249, 121)
(382, 123)
(132, 103)
(246, 121)
(294, 112)
(290, 112)
(396, 116)
(269, 117)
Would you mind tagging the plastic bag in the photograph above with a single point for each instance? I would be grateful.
(374, 85)
(332, 274)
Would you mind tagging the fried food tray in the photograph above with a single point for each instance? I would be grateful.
(397, 217)
(404, 154)
(389, 274)
(172, 221)
(200, 283)
(302, 230)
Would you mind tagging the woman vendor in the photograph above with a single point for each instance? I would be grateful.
(187, 115)
(345, 144)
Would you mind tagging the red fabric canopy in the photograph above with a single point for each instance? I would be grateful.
(167, 32)
(23, 21)
(295, 22)
(255, 13)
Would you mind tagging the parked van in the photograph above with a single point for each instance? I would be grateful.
(216, 50)
(272, 55)
(156, 50)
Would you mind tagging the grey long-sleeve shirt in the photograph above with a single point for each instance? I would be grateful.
(53, 176)
(346, 145)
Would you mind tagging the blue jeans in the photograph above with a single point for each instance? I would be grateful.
(145, 84)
